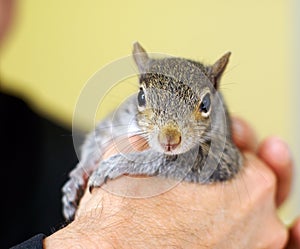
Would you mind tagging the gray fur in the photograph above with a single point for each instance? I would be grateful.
(173, 87)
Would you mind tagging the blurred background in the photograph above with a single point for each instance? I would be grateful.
(54, 47)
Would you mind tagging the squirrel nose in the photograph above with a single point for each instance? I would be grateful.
(169, 139)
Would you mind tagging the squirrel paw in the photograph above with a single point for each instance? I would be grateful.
(72, 193)
(117, 165)
(104, 172)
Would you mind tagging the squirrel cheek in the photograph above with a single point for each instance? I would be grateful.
(148, 113)
(145, 119)
(198, 116)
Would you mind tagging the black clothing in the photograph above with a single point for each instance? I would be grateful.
(35, 242)
(35, 158)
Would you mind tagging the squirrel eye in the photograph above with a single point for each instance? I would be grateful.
(141, 98)
(205, 105)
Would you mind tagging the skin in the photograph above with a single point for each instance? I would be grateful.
(193, 215)
(6, 14)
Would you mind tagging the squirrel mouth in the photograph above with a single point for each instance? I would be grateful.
(169, 147)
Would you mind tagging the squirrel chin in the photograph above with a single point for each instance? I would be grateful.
(171, 152)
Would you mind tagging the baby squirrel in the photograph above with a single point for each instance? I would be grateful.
(180, 113)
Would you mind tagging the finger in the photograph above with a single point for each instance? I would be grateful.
(138, 143)
(294, 240)
(125, 145)
(276, 154)
(243, 135)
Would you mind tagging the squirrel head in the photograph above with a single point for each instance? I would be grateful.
(177, 100)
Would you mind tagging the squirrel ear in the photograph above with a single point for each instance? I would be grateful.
(140, 56)
(217, 69)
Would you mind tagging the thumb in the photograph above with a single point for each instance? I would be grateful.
(294, 240)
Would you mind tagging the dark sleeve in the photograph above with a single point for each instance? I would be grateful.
(35, 242)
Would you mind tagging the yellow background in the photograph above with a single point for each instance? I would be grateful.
(57, 45)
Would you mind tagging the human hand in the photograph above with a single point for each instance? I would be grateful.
(275, 153)
(201, 215)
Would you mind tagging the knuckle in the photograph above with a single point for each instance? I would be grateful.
(279, 239)
(268, 181)
(260, 174)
